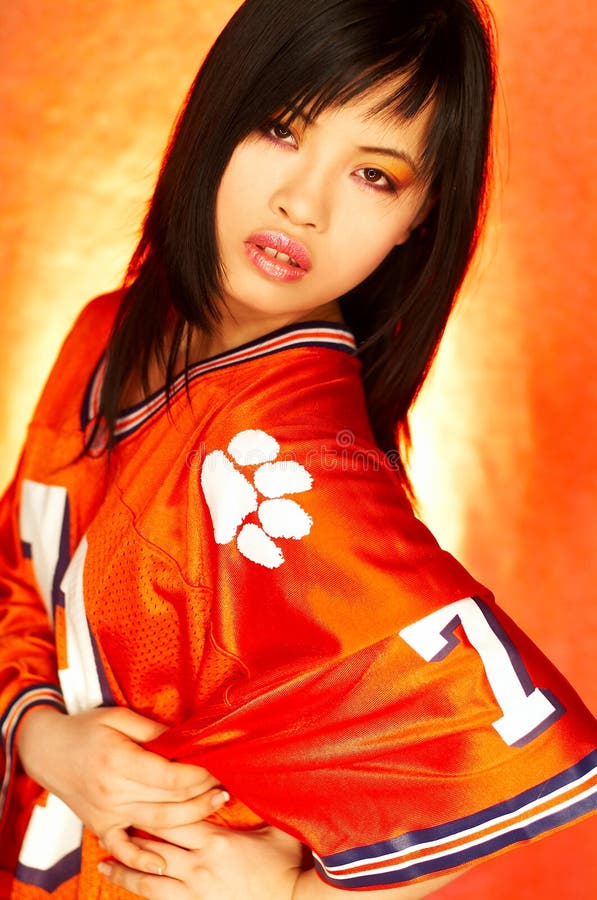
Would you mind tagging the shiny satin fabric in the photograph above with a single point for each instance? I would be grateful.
(246, 569)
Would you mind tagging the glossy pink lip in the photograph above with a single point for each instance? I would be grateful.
(273, 266)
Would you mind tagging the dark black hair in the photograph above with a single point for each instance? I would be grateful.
(277, 56)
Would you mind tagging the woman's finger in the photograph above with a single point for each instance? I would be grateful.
(154, 816)
(123, 848)
(190, 837)
(141, 791)
(135, 726)
(170, 780)
(152, 887)
(175, 857)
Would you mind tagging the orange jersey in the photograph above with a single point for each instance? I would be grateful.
(245, 569)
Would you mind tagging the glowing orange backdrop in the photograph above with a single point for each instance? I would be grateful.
(504, 459)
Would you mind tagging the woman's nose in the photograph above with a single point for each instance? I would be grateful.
(302, 199)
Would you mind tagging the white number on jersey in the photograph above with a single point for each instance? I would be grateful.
(54, 833)
(43, 527)
(527, 710)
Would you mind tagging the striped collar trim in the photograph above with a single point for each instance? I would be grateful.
(329, 335)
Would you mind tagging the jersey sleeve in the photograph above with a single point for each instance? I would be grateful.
(35, 537)
(28, 675)
(390, 715)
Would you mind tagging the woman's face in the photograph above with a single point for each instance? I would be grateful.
(335, 196)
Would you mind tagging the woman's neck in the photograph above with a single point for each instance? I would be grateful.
(232, 331)
(226, 336)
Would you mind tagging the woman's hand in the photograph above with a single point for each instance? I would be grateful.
(207, 862)
(93, 762)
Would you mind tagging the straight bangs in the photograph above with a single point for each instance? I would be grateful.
(343, 51)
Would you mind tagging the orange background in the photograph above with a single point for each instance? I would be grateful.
(504, 459)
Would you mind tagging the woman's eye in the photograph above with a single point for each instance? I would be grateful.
(279, 132)
(282, 132)
(376, 178)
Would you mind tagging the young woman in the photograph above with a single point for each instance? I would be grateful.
(212, 507)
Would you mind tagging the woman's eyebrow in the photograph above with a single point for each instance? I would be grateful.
(402, 155)
(396, 154)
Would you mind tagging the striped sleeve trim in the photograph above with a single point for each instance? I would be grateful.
(432, 851)
(36, 695)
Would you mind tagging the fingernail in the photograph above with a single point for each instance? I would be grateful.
(220, 799)
(105, 868)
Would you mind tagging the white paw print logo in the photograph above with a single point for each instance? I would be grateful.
(231, 497)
